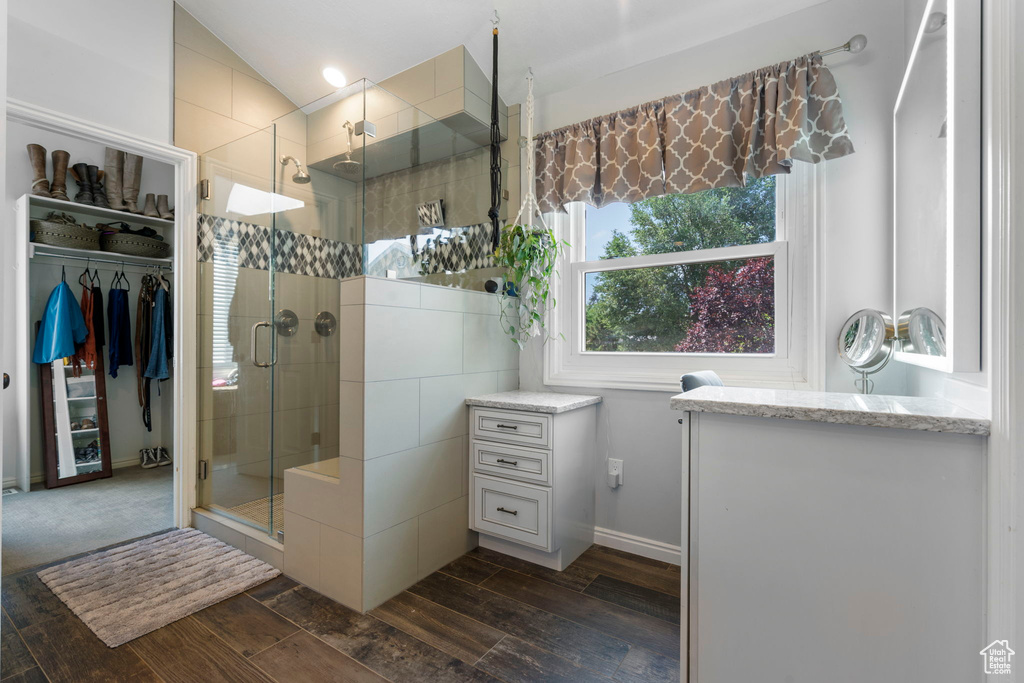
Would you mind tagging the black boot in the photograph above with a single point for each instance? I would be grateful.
(80, 172)
(99, 195)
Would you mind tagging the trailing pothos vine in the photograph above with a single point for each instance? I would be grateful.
(530, 255)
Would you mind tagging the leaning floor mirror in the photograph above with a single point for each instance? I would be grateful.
(937, 192)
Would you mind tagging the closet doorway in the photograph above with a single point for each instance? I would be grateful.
(102, 449)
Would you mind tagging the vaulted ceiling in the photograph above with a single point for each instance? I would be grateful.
(565, 41)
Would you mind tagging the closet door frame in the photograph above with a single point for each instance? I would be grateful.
(184, 283)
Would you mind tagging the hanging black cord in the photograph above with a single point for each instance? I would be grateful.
(495, 152)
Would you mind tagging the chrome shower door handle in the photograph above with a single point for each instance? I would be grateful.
(253, 345)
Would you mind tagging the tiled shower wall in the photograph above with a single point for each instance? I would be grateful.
(398, 507)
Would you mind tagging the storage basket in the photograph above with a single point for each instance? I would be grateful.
(81, 387)
(61, 230)
(135, 245)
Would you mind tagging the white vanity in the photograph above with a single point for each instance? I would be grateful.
(531, 464)
(832, 536)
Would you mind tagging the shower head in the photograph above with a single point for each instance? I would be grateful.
(300, 177)
(348, 166)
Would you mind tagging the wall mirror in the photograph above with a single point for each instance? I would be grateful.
(937, 190)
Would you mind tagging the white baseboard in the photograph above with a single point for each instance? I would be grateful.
(39, 478)
(645, 547)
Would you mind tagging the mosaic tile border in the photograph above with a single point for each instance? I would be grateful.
(295, 253)
(471, 251)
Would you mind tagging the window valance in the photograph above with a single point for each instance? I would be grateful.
(753, 125)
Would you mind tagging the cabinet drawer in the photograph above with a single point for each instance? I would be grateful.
(502, 460)
(531, 429)
(517, 512)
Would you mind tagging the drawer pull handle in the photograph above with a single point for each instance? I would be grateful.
(511, 512)
(501, 426)
(514, 463)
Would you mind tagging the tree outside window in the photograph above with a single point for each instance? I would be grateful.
(711, 307)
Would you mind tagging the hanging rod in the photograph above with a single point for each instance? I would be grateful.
(122, 263)
(853, 45)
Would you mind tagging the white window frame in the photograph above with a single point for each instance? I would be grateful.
(798, 362)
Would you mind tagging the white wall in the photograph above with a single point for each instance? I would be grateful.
(106, 61)
(857, 229)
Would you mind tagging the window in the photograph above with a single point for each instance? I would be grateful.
(713, 280)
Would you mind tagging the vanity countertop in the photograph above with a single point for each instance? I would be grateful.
(533, 401)
(899, 412)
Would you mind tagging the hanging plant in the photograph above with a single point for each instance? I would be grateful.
(530, 255)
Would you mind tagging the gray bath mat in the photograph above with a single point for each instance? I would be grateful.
(128, 591)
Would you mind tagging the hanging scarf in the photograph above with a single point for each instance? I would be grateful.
(158, 355)
(143, 345)
(120, 330)
(85, 353)
(98, 320)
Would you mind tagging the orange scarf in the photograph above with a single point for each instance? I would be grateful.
(86, 351)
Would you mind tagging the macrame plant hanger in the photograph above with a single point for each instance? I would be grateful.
(495, 144)
(529, 208)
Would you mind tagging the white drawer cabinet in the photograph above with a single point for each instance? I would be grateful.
(532, 465)
(529, 429)
(512, 462)
(514, 511)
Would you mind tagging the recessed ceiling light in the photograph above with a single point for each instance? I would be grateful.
(334, 77)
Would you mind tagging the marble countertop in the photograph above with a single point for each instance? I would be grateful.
(898, 412)
(533, 401)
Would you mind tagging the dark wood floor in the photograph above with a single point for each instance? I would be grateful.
(484, 617)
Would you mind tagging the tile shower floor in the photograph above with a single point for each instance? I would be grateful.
(484, 617)
(258, 511)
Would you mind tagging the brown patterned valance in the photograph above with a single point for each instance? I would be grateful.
(753, 125)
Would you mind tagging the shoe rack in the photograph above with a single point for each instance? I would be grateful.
(66, 441)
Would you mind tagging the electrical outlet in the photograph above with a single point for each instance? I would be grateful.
(614, 472)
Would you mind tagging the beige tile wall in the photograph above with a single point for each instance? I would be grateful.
(218, 98)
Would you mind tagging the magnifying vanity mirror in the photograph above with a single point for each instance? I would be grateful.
(937, 178)
(866, 344)
(922, 331)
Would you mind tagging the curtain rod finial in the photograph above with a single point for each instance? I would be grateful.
(857, 43)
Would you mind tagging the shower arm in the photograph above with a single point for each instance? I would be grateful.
(285, 158)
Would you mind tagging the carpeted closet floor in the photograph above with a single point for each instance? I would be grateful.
(50, 524)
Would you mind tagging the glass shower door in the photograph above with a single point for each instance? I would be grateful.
(236, 332)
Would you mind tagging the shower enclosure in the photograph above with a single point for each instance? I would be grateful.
(358, 183)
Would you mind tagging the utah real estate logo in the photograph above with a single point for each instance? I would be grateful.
(998, 656)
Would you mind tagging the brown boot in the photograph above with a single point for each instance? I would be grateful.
(40, 185)
(161, 207)
(59, 186)
(131, 180)
(99, 195)
(150, 209)
(113, 165)
(80, 172)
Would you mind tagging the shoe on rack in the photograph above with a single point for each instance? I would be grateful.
(162, 456)
(131, 178)
(113, 167)
(149, 210)
(162, 209)
(37, 157)
(59, 186)
(80, 172)
(99, 193)
(147, 458)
